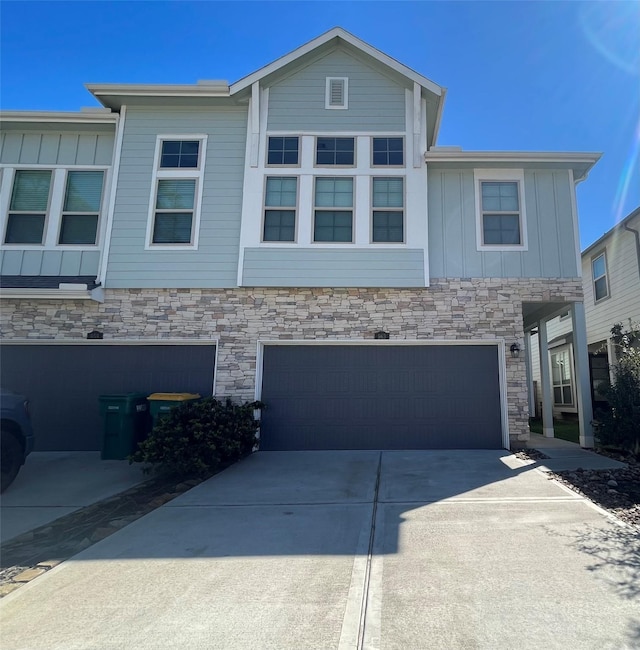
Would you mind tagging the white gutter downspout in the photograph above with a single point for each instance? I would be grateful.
(115, 172)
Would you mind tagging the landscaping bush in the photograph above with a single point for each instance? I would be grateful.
(195, 438)
(619, 425)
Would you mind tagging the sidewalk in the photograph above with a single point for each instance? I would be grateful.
(568, 456)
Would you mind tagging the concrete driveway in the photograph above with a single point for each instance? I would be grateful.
(462, 549)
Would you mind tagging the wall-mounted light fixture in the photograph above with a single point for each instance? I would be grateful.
(95, 335)
(515, 350)
(381, 335)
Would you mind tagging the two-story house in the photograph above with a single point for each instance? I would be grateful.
(297, 236)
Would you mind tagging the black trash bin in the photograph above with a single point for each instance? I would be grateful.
(125, 423)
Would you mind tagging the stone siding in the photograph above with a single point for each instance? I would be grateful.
(451, 309)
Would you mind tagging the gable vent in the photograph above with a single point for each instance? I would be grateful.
(336, 92)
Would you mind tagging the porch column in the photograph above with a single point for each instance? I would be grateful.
(527, 361)
(611, 360)
(545, 381)
(583, 380)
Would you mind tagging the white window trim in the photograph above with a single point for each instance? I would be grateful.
(561, 348)
(403, 210)
(177, 174)
(327, 97)
(498, 175)
(265, 207)
(602, 253)
(53, 217)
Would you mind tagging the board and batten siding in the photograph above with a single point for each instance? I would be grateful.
(215, 262)
(623, 302)
(304, 267)
(452, 229)
(49, 262)
(56, 148)
(376, 103)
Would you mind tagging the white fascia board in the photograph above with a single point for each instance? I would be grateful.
(88, 117)
(96, 294)
(438, 122)
(336, 32)
(158, 90)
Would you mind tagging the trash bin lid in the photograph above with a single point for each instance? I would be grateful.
(174, 397)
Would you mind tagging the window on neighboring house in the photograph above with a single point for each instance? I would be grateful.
(335, 151)
(500, 213)
(337, 92)
(173, 222)
(388, 209)
(599, 272)
(333, 214)
(28, 207)
(174, 213)
(283, 151)
(81, 209)
(561, 377)
(388, 152)
(281, 197)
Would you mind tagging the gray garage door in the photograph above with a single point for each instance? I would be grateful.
(63, 383)
(381, 397)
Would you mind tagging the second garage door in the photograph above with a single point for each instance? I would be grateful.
(381, 397)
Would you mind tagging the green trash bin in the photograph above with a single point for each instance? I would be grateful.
(126, 423)
(161, 403)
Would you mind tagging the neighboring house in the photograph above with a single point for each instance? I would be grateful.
(299, 237)
(611, 279)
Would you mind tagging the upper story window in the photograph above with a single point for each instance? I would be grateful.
(174, 212)
(388, 210)
(333, 214)
(29, 206)
(335, 151)
(500, 210)
(599, 273)
(54, 207)
(387, 152)
(281, 198)
(180, 154)
(337, 93)
(283, 151)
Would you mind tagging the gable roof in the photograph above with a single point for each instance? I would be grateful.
(621, 225)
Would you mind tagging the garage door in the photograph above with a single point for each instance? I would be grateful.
(381, 397)
(63, 383)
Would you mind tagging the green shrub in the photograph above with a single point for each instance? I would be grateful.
(619, 425)
(195, 438)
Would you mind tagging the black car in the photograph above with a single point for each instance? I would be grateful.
(17, 435)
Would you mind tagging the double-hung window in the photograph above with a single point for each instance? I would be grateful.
(29, 206)
(281, 197)
(500, 210)
(561, 377)
(175, 208)
(599, 272)
(388, 210)
(81, 208)
(333, 213)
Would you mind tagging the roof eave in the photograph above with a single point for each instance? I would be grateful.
(619, 226)
(96, 294)
(81, 117)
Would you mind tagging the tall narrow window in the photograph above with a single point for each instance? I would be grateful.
(28, 207)
(333, 215)
(599, 272)
(281, 196)
(388, 209)
(500, 213)
(337, 92)
(173, 223)
(561, 377)
(81, 208)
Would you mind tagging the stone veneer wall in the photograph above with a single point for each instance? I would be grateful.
(450, 309)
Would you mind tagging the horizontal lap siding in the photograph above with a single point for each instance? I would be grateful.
(215, 262)
(273, 267)
(375, 102)
(452, 228)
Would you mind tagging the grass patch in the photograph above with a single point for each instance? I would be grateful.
(564, 429)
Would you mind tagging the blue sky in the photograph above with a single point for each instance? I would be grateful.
(539, 76)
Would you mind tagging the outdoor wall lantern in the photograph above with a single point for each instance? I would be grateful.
(381, 335)
(95, 335)
(515, 350)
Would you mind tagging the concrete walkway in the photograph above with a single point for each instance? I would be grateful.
(569, 456)
(407, 550)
